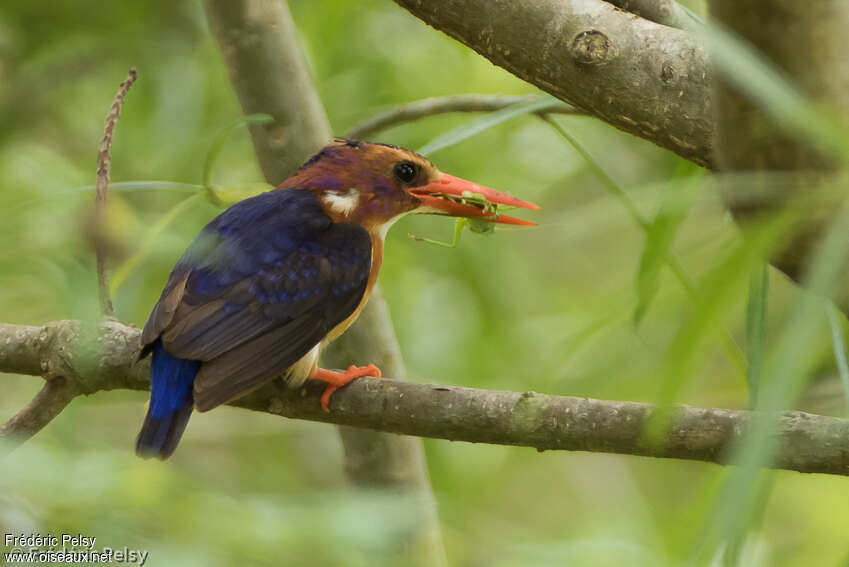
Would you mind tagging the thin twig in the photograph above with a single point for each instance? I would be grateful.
(49, 402)
(104, 161)
(442, 105)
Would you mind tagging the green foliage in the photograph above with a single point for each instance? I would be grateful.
(756, 325)
(549, 309)
(483, 123)
(660, 235)
(838, 343)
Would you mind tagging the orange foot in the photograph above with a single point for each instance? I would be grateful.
(336, 380)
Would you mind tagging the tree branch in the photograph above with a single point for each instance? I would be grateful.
(257, 39)
(644, 78)
(53, 397)
(808, 443)
(104, 161)
(442, 105)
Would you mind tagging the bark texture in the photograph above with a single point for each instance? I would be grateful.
(257, 39)
(644, 78)
(106, 361)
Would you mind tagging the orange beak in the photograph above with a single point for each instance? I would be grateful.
(457, 197)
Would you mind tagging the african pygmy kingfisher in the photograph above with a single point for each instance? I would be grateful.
(274, 278)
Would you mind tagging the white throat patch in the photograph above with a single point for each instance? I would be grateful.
(384, 228)
(342, 202)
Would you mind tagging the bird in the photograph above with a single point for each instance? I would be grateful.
(274, 278)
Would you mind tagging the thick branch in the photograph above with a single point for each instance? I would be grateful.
(442, 105)
(808, 443)
(257, 38)
(644, 78)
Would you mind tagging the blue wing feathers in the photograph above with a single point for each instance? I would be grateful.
(259, 287)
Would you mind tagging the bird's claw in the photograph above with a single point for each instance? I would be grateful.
(336, 380)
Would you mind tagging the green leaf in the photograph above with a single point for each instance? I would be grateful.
(717, 298)
(232, 194)
(218, 144)
(485, 122)
(692, 15)
(756, 314)
(787, 369)
(839, 345)
(131, 264)
(729, 345)
(660, 234)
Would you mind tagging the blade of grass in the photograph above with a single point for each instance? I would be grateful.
(719, 295)
(729, 345)
(218, 144)
(236, 193)
(131, 264)
(478, 125)
(232, 194)
(602, 175)
(788, 368)
(693, 16)
(123, 186)
(756, 314)
(839, 346)
(660, 235)
(131, 186)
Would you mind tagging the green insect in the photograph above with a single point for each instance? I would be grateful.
(474, 225)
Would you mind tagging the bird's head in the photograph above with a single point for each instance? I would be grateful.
(374, 184)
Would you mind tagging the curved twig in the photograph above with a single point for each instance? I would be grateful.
(418, 109)
(49, 402)
(104, 162)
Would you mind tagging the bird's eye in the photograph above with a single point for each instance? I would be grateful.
(405, 171)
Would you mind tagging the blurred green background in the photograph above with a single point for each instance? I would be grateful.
(546, 309)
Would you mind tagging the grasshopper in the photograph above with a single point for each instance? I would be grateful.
(474, 225)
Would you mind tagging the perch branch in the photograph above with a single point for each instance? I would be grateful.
(644, 78)
(104, 162)
(808, 443)
(442, 105)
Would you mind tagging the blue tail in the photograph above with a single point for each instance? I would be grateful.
(171, 403)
